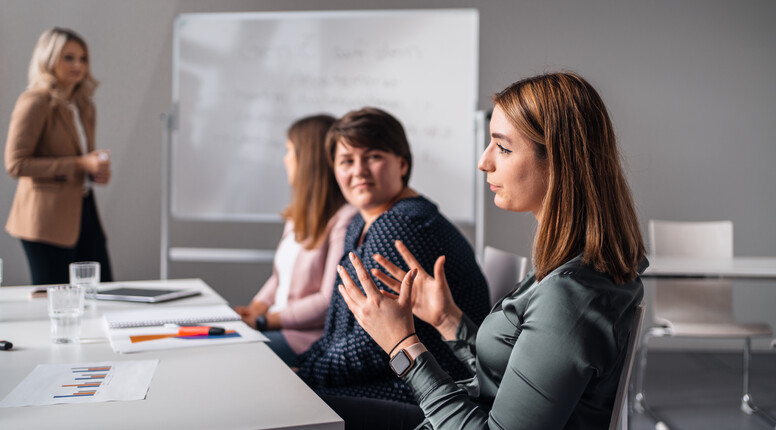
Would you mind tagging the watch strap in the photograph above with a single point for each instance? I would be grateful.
(404, 360)
(261, 323)
(414, 350)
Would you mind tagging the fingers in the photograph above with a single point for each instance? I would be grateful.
(405, 294)
(363, 276)
(387, 280)
(348, 301)
(391, 268)
(348, 289)
(439, 269)
(389, 294)
(407, 255)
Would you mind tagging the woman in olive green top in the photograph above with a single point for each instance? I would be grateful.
(550, 353)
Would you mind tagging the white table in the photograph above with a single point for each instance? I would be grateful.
(736, 267)
(243, 386)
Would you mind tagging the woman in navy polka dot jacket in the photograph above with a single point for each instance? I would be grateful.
(372, 163)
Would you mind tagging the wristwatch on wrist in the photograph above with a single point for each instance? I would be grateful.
(402, 362)
(261, 323)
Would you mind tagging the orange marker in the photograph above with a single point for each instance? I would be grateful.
(200, 331)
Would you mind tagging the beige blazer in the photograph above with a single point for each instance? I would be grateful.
(42, 150)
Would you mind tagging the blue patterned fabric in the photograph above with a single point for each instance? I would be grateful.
(345, 361)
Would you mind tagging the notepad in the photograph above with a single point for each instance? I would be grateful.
(157, 316)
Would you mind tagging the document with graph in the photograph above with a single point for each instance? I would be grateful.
(51, 384)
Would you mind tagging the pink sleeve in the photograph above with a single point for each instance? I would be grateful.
(310, 311)
(267, 292)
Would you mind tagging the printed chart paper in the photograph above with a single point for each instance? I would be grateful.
(51, 384)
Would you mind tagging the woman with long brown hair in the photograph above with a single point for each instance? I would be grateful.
(550, 353)
(291, 306)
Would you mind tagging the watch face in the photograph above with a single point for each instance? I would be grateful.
(400, 363)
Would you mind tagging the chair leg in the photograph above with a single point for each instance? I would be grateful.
(639, 404)
(747, 404)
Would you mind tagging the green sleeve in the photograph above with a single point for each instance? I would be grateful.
(463, 344)
(547, 371)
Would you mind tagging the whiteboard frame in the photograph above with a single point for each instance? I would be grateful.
(170, 128)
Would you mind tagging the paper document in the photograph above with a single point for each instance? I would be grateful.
(50, 384)
(159, 316)
(125, 340)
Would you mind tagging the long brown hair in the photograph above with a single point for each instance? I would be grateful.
(588, 208)
(316, 197)
(44, 58)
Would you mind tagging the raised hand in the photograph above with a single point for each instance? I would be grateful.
(431, 298)
(387, 317)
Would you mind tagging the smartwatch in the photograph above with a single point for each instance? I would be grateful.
(261, 323)
(402, 362)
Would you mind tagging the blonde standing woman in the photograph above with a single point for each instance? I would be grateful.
(51, 150)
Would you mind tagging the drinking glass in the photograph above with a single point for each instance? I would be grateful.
(87, 275)
(65, 307)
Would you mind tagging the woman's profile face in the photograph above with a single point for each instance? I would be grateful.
(72, 65)
(370, 179)
(518, 179)
(289, 160)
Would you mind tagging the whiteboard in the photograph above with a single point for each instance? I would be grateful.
(240, 79)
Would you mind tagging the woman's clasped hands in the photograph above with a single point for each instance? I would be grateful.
(386, 316)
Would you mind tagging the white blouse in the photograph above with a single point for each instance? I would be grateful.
(285, 259)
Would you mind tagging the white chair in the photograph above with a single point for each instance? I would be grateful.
(503, 270)
(695, 308)
(620, 420)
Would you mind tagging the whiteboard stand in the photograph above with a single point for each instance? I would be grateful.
(189, 254)
(165, 225)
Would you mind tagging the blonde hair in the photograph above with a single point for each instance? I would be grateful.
(45, 57)
(588, 208)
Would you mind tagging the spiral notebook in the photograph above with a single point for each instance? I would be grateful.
(182, 315)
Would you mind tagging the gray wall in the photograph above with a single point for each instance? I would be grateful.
(689, 85)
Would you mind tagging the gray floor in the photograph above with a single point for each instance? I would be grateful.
(703, 390)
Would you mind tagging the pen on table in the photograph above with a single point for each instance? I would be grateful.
(198, 330)
(5, 345)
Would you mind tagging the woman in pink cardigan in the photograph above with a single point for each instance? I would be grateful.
(291, 306)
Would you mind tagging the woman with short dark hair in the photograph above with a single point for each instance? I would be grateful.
(372, 164)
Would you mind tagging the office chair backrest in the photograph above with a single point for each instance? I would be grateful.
(503, 270)
(697, 301)
(622, 386)
(713, 239)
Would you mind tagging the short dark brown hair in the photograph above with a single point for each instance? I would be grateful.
(588, 208)
(370, 128)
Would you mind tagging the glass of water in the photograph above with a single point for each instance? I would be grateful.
(86, 274)
(65, 307)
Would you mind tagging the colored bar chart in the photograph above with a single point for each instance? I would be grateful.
(95, 376)
(51, 384)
